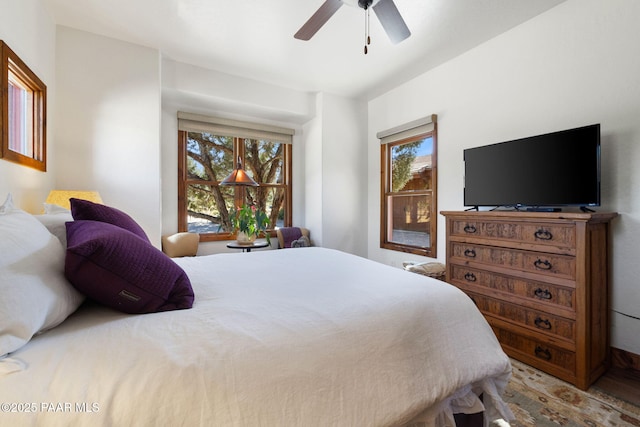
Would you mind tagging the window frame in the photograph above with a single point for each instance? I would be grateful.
(239, 191)
(386, 190)
(11, 63)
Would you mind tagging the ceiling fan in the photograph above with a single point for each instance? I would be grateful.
(385, 10)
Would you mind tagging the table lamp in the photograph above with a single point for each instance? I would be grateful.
(61, 197)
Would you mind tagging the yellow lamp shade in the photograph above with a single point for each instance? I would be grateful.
(61, 197)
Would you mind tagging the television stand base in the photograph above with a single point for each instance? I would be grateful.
(542, 209)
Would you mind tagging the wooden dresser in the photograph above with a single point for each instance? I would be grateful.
(541, 280)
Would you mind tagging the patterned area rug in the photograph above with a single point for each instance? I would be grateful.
(540, 400)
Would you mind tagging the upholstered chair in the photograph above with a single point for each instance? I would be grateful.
(180, 244)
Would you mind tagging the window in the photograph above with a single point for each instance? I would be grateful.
(408, 188)
(23, 99)
(209, 149)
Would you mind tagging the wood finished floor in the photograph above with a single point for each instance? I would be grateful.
(621, 383)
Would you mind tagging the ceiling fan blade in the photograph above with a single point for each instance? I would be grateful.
(318, 19)
(391, 21)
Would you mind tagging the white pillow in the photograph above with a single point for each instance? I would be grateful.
(55, 219)
(54, 209)
(35, 295)
(7, 206)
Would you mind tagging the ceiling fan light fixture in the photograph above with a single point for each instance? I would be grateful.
(385, 10)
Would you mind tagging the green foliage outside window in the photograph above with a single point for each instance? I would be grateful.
(210, 158)
(402, 158)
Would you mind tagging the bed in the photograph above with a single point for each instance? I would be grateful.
(293, 337)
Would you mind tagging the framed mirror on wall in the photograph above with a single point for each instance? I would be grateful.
(23, 109)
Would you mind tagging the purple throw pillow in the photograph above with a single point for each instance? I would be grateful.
(119, 269)
(86, 210)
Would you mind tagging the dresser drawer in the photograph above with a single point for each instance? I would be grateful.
(540, 280)
(534, 319)
(539, 233)
(534, 293)
(534, 351)
(561, 266)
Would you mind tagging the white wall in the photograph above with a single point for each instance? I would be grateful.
(336, 174)
(574, 65)
(30, 32)
(313, 174)
(343, 174)
(108, 123)
(205, 90)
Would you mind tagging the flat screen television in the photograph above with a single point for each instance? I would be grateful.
(542, 172)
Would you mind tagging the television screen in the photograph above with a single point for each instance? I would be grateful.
(554, 169)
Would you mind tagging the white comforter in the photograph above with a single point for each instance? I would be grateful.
(300, 337)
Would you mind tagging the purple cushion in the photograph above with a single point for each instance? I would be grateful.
(86, 210)
(119, 269)
(289, 234)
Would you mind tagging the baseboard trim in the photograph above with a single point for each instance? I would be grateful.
(626, 360)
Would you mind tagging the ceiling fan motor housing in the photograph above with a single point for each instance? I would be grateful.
(365, 3)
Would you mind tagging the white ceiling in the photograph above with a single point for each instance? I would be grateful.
(254, 39)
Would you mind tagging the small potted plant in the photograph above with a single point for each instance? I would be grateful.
(248, 222)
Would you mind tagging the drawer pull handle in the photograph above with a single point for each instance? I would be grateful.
(542, 264)
(470, 228)
(542, 323)
(543, 235)
(543, 293)
(471, 253)
(470, 277)
(543, 353)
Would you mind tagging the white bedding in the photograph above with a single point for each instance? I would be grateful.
(299, 337)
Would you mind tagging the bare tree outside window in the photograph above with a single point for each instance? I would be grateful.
(208, 159)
